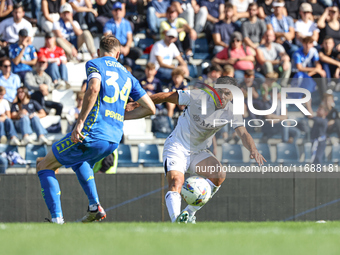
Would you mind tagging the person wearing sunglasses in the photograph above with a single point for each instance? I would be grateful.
(10, 81)
(306, 26)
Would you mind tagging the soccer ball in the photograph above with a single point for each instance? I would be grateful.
(196, 191)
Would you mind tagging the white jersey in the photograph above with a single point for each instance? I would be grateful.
(194, 130)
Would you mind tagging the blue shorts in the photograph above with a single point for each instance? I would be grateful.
(70, 154)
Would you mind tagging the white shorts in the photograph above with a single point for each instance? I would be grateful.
(177, 158)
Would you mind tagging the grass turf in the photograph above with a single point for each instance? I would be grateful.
(258, 238)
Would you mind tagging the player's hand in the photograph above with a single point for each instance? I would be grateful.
(258, 157)
(76, 133)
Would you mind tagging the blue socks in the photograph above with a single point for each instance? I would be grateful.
(51, 192)
(86, 179)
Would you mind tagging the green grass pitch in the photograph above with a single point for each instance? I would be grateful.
(258, 238)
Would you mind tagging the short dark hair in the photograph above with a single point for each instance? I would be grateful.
(2, 60)
(308, 39)
(327, 37)
(228, 6)
(215, 67)
(227, 80)
(109, 42)
(253, 4)
(17, 6)
(249, 72)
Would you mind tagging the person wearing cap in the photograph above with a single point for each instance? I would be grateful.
(23, 55)
(85, 14)
(70, 37)
(306, 26)
(238, 55)
(56, 59)
(121, 29)
(162, 54)
(156, 13)
(50, 13)
(224, 29)
(40, 83)
(254, 28)
(186, 34)
(10, 27)
(283, 27)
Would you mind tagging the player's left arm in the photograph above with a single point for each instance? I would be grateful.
(249, 143)
(146, 108)
(90, 99)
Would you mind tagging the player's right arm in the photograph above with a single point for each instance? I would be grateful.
(90, 99)
(158, 98)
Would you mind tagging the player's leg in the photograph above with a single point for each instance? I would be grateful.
(85, 176)
(210, 168)
(50, 186)
(173, 198)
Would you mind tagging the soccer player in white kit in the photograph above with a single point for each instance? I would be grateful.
(186, 147)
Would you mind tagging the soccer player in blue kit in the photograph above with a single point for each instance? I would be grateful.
(98, 130)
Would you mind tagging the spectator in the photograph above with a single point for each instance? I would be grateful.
(6, 8)
(162, 54)
(156, 13)
(333, 125)
(73, 114)
(201, 15)
(241, 10)
(104, 8)
(306, 65)
(69, 35)
(271, 57)
(85, 14)
(27, 114)
(9, 80)
(214, 72)
(22, 54)
(56, 60)
(150, 83)
(10, 27)
(41, 83)
(7, 129)
(224, 29)
(178, 83)
(215, 10)
(318, 135)
(121, 29)
(283, 27)
(265, 8)
(330, 59)
(292, 7)
(306, 26)
(317, 8)
(254, 28)
(185, 10)
(50, 13)
(238, 55)
(186, 34)
(330, 25)
(228, 70)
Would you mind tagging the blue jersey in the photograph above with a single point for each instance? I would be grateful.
(29, 54)
(105, 120)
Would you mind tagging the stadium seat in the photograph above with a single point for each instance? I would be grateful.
(66, 97)
(264, 149)
(201, 49)
(308, 152)
(148, 155)
(232, 153)
(335, 153)
(287, 153)
(124, 156)
(33, 152)
(7, 148)
(336, 95)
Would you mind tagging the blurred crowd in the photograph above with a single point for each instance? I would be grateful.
(263, 44)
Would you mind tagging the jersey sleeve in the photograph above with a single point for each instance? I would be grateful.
(37, 106)
(183, 97)
(136, 91)
(297, 58)
(92, 71)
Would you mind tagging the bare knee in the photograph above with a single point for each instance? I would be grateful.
(217, 181)
(40, 164)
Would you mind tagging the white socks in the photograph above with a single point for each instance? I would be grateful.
(58, 220)
(173, 203)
